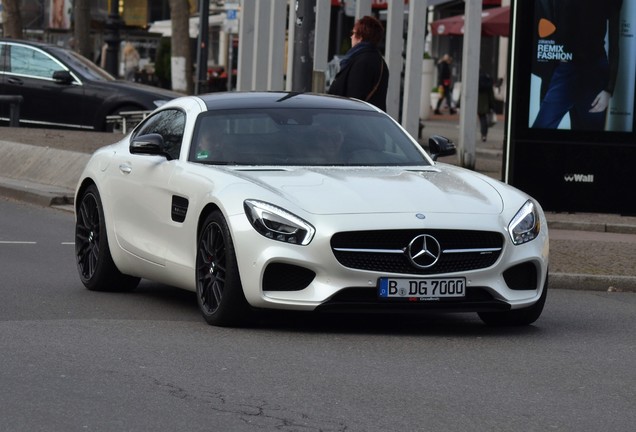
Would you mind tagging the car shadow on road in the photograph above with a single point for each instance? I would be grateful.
(170, 303)
(424, 323)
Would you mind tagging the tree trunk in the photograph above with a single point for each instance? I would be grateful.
(82, 28)
(181, 63)
(12, 19)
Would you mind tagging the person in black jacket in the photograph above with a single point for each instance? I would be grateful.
(363, 73)
(444, 83)
(485, 103)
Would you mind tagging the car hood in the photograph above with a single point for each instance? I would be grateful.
(129, 87)
(380, 190)
(144, 88)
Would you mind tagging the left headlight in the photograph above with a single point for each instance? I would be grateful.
(278, 224)
(525, 226)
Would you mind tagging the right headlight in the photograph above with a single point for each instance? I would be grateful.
(277, 224)
(525, 226)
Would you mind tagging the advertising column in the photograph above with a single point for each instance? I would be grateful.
(621, 107)
(570, 137)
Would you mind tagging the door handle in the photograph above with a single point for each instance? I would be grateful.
(125, 168)
(16, 81)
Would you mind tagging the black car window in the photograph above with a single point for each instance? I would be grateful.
(3, 61)
(31, 62)
(168, 123)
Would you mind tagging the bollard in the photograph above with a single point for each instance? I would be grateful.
(14, 102)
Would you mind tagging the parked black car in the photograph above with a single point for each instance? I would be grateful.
(60, 88)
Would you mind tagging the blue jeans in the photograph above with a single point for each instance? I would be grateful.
(447, 97)
(572, 89)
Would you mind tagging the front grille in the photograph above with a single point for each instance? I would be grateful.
(386, 251)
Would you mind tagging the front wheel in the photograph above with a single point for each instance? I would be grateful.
(219, 290)
(95, 264)
(517, 317)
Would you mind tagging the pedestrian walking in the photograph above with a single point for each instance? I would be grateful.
(485, 103)
(444, 81)
(131, 61)
(363, 73)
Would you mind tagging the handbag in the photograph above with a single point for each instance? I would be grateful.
(492, 118)
(375, 88)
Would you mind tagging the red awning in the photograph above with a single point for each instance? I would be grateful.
(494, 22)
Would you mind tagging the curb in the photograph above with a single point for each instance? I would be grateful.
(616, 228)
(35, 193)
(599, 283)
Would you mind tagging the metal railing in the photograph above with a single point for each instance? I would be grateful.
(14, 102)
(126, 120)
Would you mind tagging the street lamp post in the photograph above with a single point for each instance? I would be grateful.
(112, 39)
(303, 46)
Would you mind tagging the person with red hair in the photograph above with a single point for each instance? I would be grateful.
(363, 73)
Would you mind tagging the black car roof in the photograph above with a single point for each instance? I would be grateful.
(238, 100)
(38, 44)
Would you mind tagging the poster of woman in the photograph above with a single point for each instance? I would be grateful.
(59, 16)
(584, 65)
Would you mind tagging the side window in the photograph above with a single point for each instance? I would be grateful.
(31, 62)
(3, 62)
(169, 124)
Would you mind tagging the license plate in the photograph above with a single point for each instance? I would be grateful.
(423, 289)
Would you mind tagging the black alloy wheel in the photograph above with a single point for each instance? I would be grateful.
(95, 264)
(219, 291)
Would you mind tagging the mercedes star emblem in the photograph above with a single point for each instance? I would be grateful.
(424, 251)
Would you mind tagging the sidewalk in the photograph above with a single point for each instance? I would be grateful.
(587, 250)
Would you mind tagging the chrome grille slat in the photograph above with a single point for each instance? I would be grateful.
(384, 251)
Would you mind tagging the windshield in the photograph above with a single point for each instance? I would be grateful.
(311, 137)
(84, 67)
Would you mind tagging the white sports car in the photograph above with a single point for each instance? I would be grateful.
(305, 202)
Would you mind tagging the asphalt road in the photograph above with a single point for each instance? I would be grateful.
(75, 360)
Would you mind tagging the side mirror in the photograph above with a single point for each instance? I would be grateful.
(441, 146)
(150, 144)
(63, 77)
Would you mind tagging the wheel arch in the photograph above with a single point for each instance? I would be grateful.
(81, 189)
(205, 212)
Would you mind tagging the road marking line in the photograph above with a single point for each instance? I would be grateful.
(17, 242)
(68, 243)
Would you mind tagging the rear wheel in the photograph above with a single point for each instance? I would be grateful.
(95, 264)
(219, 290)
(517, 317)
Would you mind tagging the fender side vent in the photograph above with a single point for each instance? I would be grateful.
(179, 208)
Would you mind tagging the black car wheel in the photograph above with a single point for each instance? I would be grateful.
(517, 317)
(219, 290)
(95, 264)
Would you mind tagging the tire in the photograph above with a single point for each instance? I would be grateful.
(95, 264)
(517, 317)
(219, 291)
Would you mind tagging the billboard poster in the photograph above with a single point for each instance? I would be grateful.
(570, 128)
(60, 14)
(583, 71)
